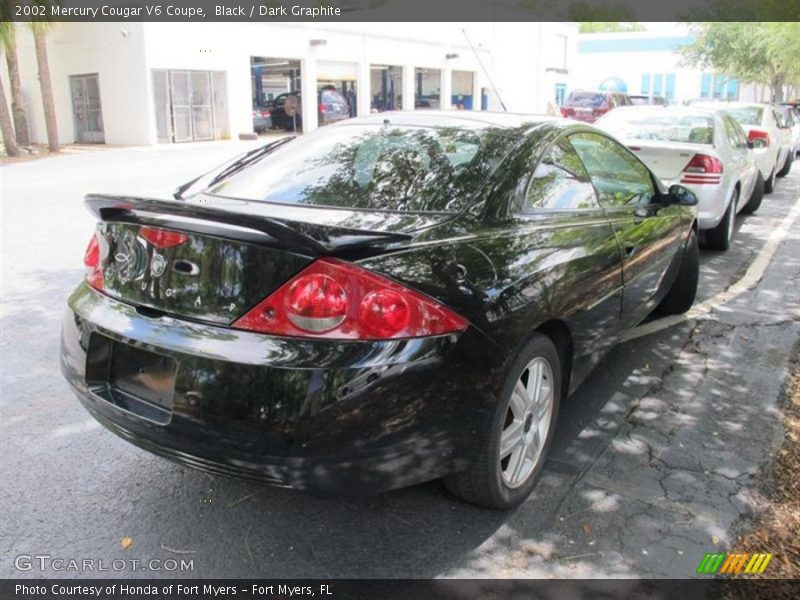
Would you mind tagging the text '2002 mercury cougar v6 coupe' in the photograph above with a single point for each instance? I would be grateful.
(385, 301)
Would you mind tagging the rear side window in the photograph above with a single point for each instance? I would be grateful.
(659, 125)
(619, 177)
(747, 115)
(374, 167)
(560, 182)
(586, 100)
(331, 97)
(736, 135)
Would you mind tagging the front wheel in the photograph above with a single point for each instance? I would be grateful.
(754, 203)
(512, 453)
(720, 237)
(681, 295)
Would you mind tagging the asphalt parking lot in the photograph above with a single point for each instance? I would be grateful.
(655, 459)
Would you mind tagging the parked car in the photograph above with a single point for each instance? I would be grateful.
(644, 99)
(590, 106)
(405, 297)
(791, 116)
(288, 109)
(705, 150)
(771, 141)
(261, 119)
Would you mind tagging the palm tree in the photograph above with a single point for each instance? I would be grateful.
(40, 29)
(6, 127)
(8, 36)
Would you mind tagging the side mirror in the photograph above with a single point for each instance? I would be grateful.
(683, 195)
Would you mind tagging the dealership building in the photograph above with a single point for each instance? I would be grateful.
(146, 83)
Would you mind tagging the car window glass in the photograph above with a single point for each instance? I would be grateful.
(376, 168)
(747, 115)
(659, 125)
(737, 135)
(331, 97)
(619, 177)
(560, 182)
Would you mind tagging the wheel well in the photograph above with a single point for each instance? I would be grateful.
(560, 335)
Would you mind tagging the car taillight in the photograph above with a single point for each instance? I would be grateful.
(162, 238)
(566, 111)
(759, 138)
(93, 263)
(334, 299)
(703, 169)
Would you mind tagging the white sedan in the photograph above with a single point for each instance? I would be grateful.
(705, 150)
(767, 131)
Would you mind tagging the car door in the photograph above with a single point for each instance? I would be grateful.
(648, 232)
(577, 257)
(742, 159)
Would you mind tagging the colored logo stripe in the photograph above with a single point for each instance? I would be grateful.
(732, 564)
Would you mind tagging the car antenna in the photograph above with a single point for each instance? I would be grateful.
(485, 72)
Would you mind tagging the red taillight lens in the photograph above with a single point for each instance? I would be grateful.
(337, 300)
(703, 169)
(316, 303)
(565, 112)
(94, 268)
(162, 238)
(759, 138)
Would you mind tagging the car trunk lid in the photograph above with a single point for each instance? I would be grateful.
(667, 159)
(212, 259)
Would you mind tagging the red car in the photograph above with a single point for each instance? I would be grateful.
(590, 106)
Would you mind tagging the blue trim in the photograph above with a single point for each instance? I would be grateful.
(646, 83)
(633, 45)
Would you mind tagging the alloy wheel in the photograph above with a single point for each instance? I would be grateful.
(526, 423)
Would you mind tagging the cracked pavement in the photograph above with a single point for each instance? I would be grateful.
(654, 462)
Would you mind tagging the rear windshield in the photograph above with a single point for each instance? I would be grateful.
(639, 100)
(747, 115)
(373, 167)
(660, 126)
(586, 100)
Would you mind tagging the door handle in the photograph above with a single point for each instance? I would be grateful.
(630, 249)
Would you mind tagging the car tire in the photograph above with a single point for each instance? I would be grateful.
(488, 481)
(787, 165)
(754, 203)
(769, 184)
(720, 237)
(681, 295)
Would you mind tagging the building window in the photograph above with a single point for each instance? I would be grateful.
(561, 94)
(646, 83)
(669, 92)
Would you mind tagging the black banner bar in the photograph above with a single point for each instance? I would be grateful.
(266, 11)
(394, 589)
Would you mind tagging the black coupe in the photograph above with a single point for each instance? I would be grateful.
(385, 301)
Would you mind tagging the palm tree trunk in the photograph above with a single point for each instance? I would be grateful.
(48, 103)
(17, 100)
(7, 128)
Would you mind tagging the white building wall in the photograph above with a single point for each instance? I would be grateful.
(522, 59)
(115, 51)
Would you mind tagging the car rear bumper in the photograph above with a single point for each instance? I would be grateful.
(711, 203)
(329, 417)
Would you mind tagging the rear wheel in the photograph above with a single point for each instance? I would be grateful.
(787, 165)
(754, 203)
(681, 295)
(511, 455)
(720, 237)
(769, 184)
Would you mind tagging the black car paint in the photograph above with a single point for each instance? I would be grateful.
(345, 416)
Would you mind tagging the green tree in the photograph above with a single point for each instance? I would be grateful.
(8, 37)
(6, 126)
(753, 52)
(40, 30)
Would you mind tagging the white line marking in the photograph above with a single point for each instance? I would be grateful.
(753, 274)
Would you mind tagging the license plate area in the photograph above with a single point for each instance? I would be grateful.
(136, 380)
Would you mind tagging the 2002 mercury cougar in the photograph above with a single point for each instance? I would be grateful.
(385, 301)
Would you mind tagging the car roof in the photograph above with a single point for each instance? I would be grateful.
(725, 104)
(658, 109)
(513, 122)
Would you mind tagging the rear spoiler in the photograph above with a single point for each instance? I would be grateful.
(238, 220)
